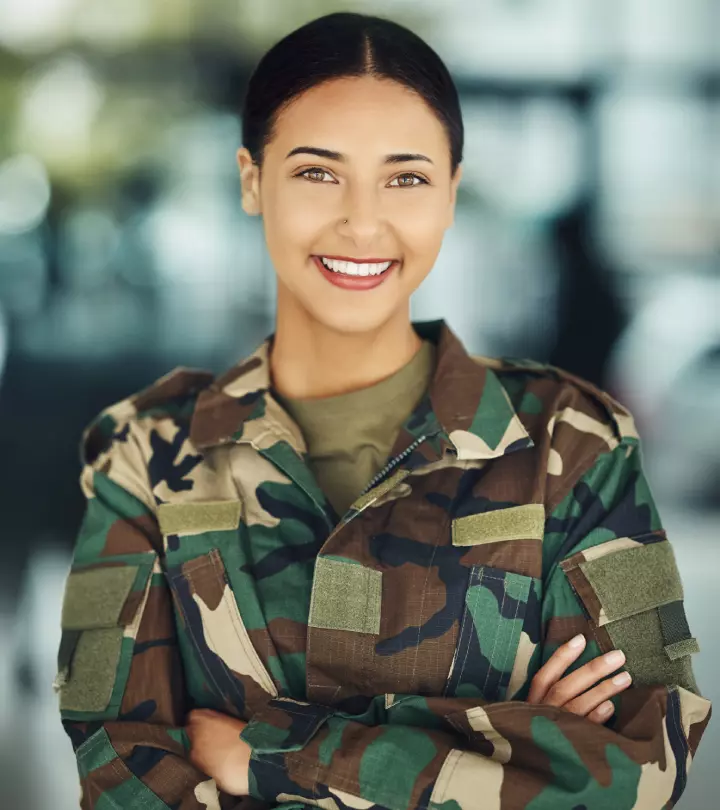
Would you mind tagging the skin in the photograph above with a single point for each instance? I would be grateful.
(576, 692)
(329, 340)
(217, 750)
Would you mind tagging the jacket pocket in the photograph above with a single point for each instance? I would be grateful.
(632, 595)
(102, 608)
(117, 786)
(491, 625)
(213, 636)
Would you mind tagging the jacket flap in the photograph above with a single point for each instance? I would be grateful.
(625, 576)
(104, 595)
(634, 580)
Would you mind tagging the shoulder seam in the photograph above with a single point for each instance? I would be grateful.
(180, 382)
(620, 417)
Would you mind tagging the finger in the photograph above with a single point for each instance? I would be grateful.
(195, 718)
(552, 670)
(573, 685)
(202, 714)
(602, 713)
(595, 697)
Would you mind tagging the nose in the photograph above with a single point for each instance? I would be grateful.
(362, 216)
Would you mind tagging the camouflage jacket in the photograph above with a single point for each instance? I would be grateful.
(381, 657)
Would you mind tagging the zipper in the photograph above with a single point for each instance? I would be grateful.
(375, 480)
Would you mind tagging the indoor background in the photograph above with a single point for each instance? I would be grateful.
(587, 235)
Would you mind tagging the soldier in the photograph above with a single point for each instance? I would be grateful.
(364, 567)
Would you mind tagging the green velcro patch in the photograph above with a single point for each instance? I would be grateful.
(345, 596)
(381, 489)
(66, 650)
(688, 646)
(202, 516)
(95, 598)
(634, 580)
(96, 657)
(524, 522)
(640, 638)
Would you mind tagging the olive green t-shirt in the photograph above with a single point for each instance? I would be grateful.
(350, 436)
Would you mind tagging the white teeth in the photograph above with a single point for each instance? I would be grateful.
(353, 269)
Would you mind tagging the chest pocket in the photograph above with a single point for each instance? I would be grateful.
(223, 668)
(499, 623)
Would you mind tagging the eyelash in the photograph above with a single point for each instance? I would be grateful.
(423, 181)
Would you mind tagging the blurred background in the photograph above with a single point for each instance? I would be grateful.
(587, 234)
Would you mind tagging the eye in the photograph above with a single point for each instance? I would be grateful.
(317, 170)
(422, 180)
(312, 170)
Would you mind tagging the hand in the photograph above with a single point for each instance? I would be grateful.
(218, 751)
(547, 687)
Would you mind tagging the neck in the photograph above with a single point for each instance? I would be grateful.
(310, 360)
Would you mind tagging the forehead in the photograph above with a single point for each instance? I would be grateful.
(362, 110)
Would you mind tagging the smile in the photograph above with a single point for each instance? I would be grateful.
(358, 276)
(350, 268)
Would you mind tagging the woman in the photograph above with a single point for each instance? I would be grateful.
(363, 567)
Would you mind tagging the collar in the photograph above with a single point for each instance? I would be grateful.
(465, 407)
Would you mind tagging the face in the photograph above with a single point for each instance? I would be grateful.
(395, 210)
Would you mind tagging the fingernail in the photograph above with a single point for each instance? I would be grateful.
(576, 642)
(606, 708)
(621, 679)
(615, 658)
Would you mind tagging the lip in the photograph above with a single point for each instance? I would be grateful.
(354, 282)
(357, 261)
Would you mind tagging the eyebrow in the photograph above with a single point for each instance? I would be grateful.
(329, 154)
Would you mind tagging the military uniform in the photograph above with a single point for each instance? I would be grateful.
(383, 656)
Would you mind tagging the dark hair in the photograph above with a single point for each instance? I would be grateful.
(347, 44)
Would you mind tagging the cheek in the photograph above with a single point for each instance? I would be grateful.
(422, 236)
(294, 224)
(423, 217)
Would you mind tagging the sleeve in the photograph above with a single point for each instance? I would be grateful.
(610, 571)
(119, 679)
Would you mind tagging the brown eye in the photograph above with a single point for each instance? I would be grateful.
(313, 170)
(410, 175)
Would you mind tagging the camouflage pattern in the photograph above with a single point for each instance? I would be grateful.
(381, 657)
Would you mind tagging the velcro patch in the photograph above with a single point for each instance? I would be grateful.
(198, 517)
(631, 591)
(96, 657)
(100, 606)
(95, 598)
(381, 489)
(524, 522)
(680, 649)
(345, 596)
(632, 580)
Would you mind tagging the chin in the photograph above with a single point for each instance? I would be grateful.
(352, 321)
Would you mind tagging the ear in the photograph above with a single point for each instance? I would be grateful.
(453, 194)
(250, 182)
